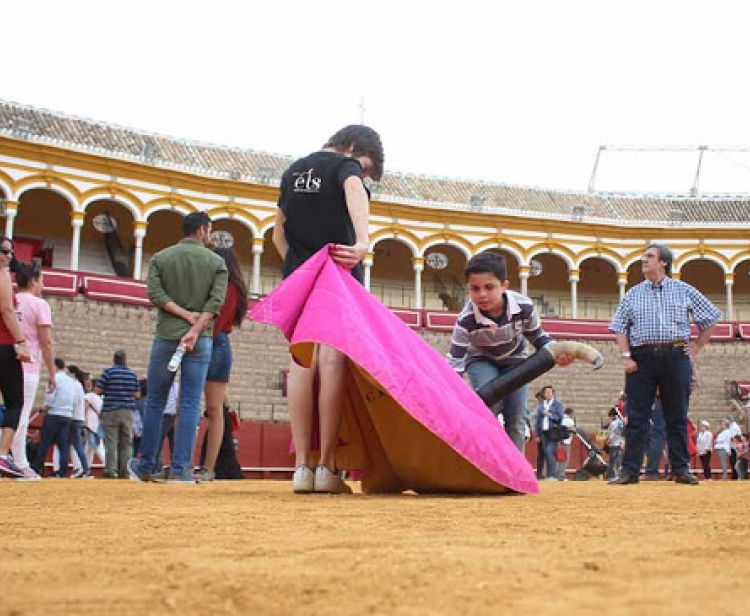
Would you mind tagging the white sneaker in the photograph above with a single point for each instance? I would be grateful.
(330, 482)
(29, 474)
(303, 481)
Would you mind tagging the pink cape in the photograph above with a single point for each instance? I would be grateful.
(410, 422)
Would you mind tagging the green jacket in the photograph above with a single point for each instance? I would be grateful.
(190, 275)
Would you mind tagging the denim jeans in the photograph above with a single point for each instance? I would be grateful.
(657, 438)
(512, 406)
(55, 429)
(549, 456)
(670, 370)
(723, 458)
(614, 464)
(192, 381)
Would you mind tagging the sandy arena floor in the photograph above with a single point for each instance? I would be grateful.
(119, 547)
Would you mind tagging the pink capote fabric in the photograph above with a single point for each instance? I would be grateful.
(322, 303)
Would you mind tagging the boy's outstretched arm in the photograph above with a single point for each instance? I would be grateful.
(359, 211)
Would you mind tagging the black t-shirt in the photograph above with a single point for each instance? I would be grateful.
(314, 205)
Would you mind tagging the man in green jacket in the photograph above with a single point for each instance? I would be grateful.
(187, 282)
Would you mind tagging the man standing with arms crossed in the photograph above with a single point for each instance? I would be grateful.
(652, 329)
(187, 282)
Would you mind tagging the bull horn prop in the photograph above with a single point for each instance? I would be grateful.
(536, 365)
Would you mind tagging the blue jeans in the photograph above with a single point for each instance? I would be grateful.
(513, 406)
(55, 430)
(549, 447)
(615, 462)
(192, 381)
(670, 370)
(657, 438)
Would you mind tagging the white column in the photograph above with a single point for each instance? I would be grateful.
(418, 265)
(75, 245)
(257, 252)
(622, 281)
(138, 234)
(11, 209)
(523, 277)
(573, 280)
(367, 264)
(729, 285)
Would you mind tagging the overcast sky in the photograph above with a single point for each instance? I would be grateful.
(516, 92)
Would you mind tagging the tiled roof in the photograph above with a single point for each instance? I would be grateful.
(25, 122)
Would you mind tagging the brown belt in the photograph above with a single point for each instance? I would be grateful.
(680, 344)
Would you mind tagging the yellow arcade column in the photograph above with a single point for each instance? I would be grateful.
(257, 253)
(138, 234)
(11, 209)
(622, 281)
(367, 264)
(523, 277)
(573, 280)
(76, 221)
(729, 286)
(418, 265)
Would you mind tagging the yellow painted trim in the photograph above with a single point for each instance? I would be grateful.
(445, 237)
(172, 202)
(702, 253)
(50, 179)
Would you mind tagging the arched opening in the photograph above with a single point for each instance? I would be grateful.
(443, 284)
(164, 229)
(107, 244)
(598, 293)
(241, 241)
(42, 229)
(635, 274)
(741, 290)
(392, 275)
(270, 264)
(708, 277)
(550, 290)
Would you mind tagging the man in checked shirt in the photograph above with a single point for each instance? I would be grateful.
(652, 328)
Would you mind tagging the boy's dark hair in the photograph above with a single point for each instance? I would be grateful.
(665, 254)
(194, 221)
(59, 363)
(364, 142)
(570, 411)
(26, 273)
(487, 262)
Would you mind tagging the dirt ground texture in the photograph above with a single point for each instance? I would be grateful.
(120, 547)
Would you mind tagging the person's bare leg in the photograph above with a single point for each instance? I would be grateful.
(331, 367)
(215, 392)
(300, 398)
(6, 440)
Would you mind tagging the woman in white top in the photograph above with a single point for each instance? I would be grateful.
(723, 446)
(94, 431)
(703, 442)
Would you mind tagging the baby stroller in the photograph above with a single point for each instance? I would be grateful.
(594, 465)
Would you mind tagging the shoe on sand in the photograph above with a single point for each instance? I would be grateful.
(303, 481)
(329, 482)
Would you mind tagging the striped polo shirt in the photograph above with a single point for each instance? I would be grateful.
(120, 385)
(477, 336)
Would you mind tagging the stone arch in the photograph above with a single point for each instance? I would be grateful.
(265, 225)
(390, 233)
(245, 219)
(43, 224)
(174, 204)
(560, 251)
(550, 290)
(444, 289)
(741, 287)
(93, 254)
(164, 229)
(701, 254)
(6, 182)
(598, 291)
(447, 239)
(49, 182)
(116, 195)
(392, 274)
(610, 256)
(243, 235)
(703, 275)
(270, 260)
(503, 245)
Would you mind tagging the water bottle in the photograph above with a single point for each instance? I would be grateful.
(176, 360)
